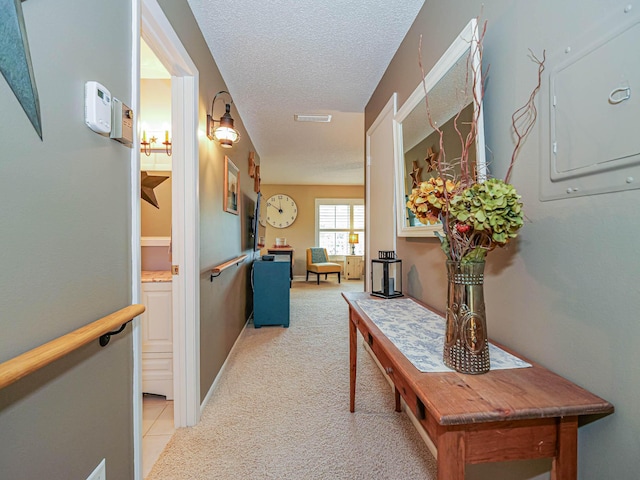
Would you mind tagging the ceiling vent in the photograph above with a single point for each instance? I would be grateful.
(312, 118)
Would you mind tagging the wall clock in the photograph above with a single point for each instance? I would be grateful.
(281, 210)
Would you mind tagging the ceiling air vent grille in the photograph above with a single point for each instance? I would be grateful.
(312, 118)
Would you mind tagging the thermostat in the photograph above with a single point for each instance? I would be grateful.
(97, 107)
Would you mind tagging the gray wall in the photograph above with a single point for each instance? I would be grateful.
(565, 293)
(65, 255)
(225, 303)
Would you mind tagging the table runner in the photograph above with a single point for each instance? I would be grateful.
(419, 334)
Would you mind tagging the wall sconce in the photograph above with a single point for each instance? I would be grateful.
(224, 133)
(353, 240)
(146, 147)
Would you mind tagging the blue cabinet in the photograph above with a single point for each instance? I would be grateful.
(270, 280)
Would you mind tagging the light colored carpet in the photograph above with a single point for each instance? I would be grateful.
(281, 408)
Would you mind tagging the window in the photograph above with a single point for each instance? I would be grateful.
(335, 220)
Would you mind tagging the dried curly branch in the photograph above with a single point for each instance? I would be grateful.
(473, 70)
(525, 117)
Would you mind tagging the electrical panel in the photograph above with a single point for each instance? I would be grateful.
(593, 105)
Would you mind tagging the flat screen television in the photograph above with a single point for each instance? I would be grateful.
(258, 238)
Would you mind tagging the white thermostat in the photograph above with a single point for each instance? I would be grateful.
(97, 107)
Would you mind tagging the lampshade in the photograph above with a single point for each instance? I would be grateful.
(353, 238)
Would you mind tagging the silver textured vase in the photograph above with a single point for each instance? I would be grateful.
(466, 346)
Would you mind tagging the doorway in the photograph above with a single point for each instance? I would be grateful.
(150, 23)
(154, 118)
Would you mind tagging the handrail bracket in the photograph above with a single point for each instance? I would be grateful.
(104, 339)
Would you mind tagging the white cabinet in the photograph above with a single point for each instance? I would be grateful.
(157, 339)
(353, 267)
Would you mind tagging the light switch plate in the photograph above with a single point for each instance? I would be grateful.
(100, 473)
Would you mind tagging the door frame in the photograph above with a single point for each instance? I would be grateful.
(383, 120)
(150, 23)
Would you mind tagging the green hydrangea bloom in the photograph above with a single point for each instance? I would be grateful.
(492, 207)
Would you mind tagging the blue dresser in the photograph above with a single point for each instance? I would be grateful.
(271, 281)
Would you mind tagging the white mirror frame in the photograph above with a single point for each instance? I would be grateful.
(467, 39)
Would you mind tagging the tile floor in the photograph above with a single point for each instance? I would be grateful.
(157, 429)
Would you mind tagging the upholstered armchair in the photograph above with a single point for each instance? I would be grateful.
(318, 263)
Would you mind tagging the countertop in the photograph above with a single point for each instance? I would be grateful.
(149, 276)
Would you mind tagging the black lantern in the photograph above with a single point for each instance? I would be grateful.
(386, 275)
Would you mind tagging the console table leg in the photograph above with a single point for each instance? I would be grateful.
(353, 357)
(451, 457)
(565, 463)
(397, 395)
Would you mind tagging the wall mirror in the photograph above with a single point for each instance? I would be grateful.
(449, 91)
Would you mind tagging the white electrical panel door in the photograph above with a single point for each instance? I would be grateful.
(596, 117)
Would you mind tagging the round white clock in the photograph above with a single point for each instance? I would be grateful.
(281, 210)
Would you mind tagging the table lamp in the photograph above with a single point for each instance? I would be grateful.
(353, 239)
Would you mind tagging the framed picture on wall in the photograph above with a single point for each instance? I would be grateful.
(231, 186)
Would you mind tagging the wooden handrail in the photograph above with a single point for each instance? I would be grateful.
(28, 362)
(215, 271)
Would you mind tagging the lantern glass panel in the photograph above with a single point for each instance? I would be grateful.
(386, 278)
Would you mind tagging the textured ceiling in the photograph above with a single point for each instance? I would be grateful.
(285, 57)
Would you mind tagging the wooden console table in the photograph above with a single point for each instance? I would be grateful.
(503, 415)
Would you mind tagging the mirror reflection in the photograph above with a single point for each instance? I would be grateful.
(449, 92)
